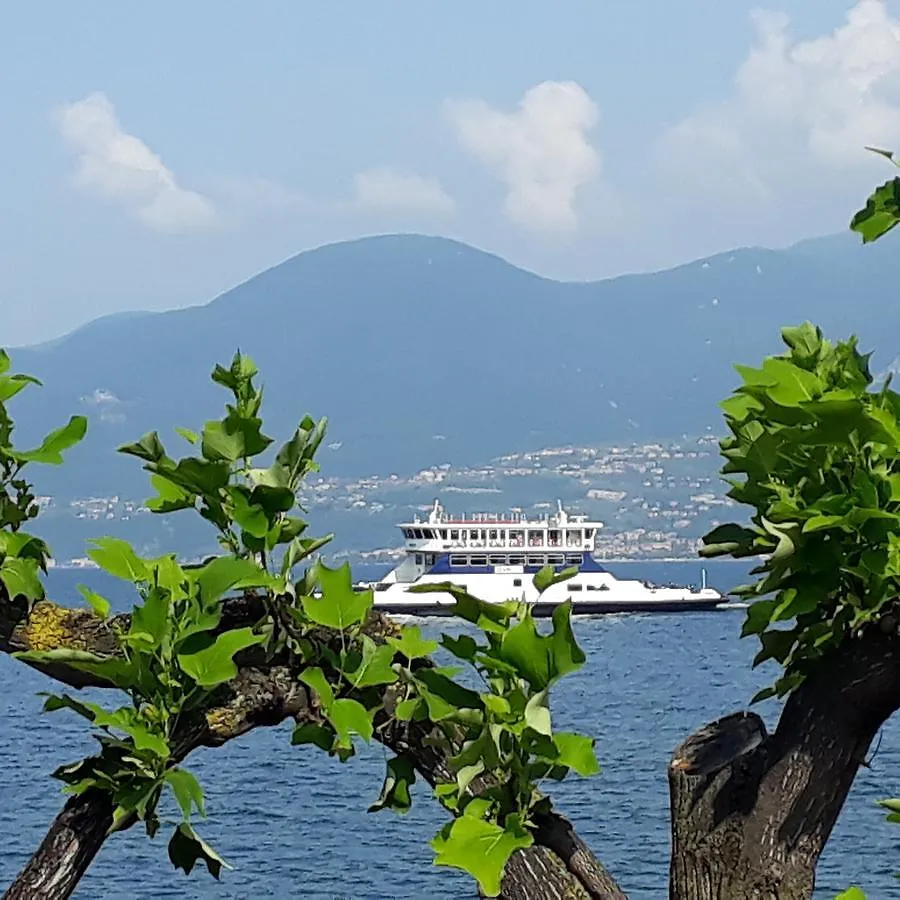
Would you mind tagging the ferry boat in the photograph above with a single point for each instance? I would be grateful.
(494, 558)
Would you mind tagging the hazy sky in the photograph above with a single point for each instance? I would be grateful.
(157, 154)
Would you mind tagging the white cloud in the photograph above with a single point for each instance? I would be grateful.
(541, 151)
(121, 168)
(798, 106)
(386, 189)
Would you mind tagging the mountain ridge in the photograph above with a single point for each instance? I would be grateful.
(417, 346)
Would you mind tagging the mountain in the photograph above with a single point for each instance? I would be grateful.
(422, 350)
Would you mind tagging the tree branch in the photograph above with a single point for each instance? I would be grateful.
(253, 699)
(558, 865)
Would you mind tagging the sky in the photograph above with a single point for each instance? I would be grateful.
(156, 155)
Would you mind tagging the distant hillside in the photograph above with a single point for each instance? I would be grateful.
(420, 349)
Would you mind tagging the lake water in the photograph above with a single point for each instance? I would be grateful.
(293, 823)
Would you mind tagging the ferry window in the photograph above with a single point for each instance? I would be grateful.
(498, 560)
(588, 533)
(554, 538)
(417, 532)
(478, 561)
(573, 559)
(381, 586)
(535, 560)
(517, 560)
(443, 534)
(418, 559)
(517, 538)
(517, 582)
(535, 539)
(555, 559)
(573, 537)
(408, 533)
(457, 560)
(492, 534)
(454, 534)
(574, 587)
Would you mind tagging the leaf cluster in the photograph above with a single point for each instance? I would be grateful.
(814, 451)
(22, 556)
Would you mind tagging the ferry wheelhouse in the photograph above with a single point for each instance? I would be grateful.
(494, 557)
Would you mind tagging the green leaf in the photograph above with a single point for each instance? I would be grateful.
(445, 698)
(340, 607)
(880, 214)
(170, 497)
(462, 647)
(805, 340)
(117, 670)
(187, 791)
(148, 448)
(117, 557)
(411, 643)
(537, 713)
(548, 576)
(127, 720)
(100, 605)
(395, 793)
(225, 573)
(309, 733)
(576, 752)
(725, 539)
(406, 709)
(820, 523)
(479, 848)
(374, 665)
(247, 515)
(349, 717)
(52, 447)
(186, 847)
(759, 615)
(21, 578)
(150, 619)
(487, 616)
(211, 663)
(852, 893)
(315, 678)
(541, 659)
(10, 385)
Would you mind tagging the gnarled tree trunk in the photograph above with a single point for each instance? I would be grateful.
(751, 812)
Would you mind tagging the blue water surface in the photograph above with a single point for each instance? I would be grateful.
(293, 822)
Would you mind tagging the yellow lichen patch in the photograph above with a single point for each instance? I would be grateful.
(48, 627)
(222, 720)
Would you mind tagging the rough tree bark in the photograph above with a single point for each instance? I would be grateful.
(751, 812)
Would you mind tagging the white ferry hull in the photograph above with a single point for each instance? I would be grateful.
(591, 599)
